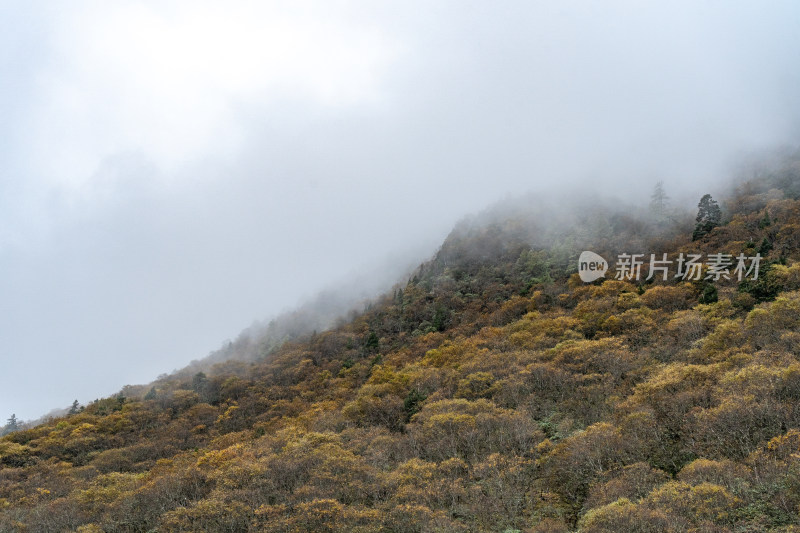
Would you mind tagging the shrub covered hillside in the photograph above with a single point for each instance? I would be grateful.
(493, 392)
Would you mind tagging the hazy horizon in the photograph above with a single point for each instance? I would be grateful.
(174, 171)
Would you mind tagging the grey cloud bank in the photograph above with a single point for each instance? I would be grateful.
(173, 171)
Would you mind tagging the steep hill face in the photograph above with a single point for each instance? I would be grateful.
(495, 391)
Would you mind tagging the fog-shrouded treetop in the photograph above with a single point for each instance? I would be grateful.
(709, 216)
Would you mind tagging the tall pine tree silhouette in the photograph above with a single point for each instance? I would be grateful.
(708, 217)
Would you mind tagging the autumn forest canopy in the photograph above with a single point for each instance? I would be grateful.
(491, 391)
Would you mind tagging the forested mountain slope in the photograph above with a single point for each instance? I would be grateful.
(495, 391)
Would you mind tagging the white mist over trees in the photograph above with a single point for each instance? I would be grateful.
(173, 172)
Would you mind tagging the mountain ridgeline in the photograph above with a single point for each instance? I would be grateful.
(494, 391)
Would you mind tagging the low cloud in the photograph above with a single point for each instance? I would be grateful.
(175, 170)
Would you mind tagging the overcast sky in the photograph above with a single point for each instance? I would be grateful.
(172, 171)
